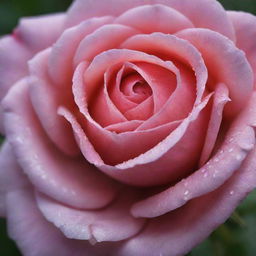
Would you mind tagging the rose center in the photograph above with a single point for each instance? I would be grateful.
(135, 88)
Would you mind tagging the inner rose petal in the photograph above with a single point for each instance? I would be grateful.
(174, 49)
(141, 170)
(88, 83)
(161, 81)
(135, 88)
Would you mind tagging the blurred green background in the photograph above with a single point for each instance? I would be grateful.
(237, 237)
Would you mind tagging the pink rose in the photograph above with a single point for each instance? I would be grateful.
(129, 126)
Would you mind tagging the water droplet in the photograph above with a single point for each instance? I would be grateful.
(205, 175)
(221, 152)
(19, 140)
(65, 190)
(44, 177)
(230, 150)
(186, 192)
(203, 170)
(53, 182)
(216, 159)
(231, 192)
(238, 157)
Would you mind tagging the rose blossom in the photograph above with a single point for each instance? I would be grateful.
(129, 126)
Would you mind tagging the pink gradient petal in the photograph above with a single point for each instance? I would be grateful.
(38, 33)
(174, 49)
(98, 144)
(72, 181)
(63, 51)
(107, 37)
(220, 99)
(244, 25)
(154, 19)
(178, 105)
(13, 58)
(124, 126)
(86, 87)
(142, 112)
(179, 231)
(202, 13)
(238, 142)
(41, 237)
(225, 63)
(42, 91)
(96, 226)
(100, 100)
(141, 170)
(11, 175)
(113, 81)
(161, 81)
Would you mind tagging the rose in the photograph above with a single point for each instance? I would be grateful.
(150, 92)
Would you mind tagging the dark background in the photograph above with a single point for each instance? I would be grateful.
(237, 237)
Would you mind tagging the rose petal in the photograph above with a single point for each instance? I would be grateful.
(244, 25)
(154, 19)
(202, 13)
(70, 180)
(37, 239)
(161, 81)
(124, 126)
(13, 58)
(237, 144)
(174, 49)
(11, 175)
(123, 146)
(142, 112)
(92, 45)
(179, 231)
(40, 32)
(41, 91)
(141, 170)
(219, 101)
(96, 226)
(225, 63)
(63, 51)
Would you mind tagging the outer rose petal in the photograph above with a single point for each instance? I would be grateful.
(42, 91)
(32, 35)
(154, 19)
(40, 32)
(13, 58)
(113, 223)
(70, 180)
(43, 238)
(61, 58)
(179, 231)
(11, 175)
(202, 13)
(239, 140)
(225, 63)
(244, 25)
